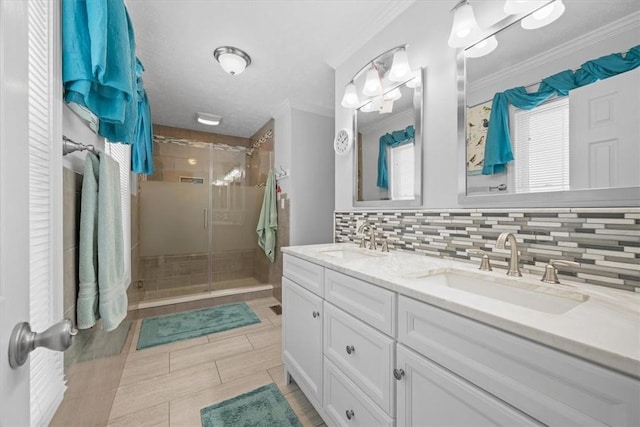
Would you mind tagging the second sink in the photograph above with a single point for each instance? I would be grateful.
(530, 295)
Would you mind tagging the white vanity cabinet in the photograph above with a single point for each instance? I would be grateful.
(376, 357)
(302, 327)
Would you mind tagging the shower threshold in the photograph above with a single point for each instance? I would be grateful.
(198, 296)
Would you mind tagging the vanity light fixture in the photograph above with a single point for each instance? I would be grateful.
(400, 68)
(516, 7)
(350, 98)
(231, 59)
(393, 95)
(482, 48)
(372, 86)
(543, 16)
(208, 119)
(465, 27)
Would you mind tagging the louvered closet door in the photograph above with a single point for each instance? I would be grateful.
(30, 204)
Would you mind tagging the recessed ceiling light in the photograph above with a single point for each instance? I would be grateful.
(208, 119)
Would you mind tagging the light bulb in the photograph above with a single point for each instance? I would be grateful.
(544, 16)
(372, 85)
(400, 69)
(464, 28)
(350, 98)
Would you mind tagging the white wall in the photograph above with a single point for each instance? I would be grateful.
(425, 27)
(312, 178)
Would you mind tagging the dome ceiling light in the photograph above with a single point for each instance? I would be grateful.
(231, 59)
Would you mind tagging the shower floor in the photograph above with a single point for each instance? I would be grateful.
(152, 295)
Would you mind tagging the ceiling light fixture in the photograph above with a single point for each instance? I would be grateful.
(231, 59)
(208, 119)
(465, 27)
(482, 48)
(544, 16)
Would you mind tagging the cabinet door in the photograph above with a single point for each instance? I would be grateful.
(429, 395)
(302, 338)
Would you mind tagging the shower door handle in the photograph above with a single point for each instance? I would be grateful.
(206, 219)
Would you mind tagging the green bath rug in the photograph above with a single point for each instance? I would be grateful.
(264, 406)
(191, 324)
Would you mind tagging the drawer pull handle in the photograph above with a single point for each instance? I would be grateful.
(350, 349)
(398, 373)
(350, 414)
(315, 314)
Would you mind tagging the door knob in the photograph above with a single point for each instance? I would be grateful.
(23, 341)
(398, 373)
(349, 413)
(350, 349)
(315, 314)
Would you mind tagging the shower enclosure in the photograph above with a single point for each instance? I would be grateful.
(198, 217)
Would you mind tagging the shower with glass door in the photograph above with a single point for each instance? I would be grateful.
(198, 216)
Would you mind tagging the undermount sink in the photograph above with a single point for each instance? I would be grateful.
(530, 295)
(352, 254)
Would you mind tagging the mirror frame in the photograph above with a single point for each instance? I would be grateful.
(418, 108)
(605, 197)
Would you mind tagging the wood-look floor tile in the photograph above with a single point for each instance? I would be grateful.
(142, 368)
(265, 337)
(305, 411)
(239, 331)
(155, 416)
(249, 362)
(145, 394)
(185, 411)
(277, 374)
(209, 352)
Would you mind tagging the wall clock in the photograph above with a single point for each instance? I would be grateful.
(343, 142)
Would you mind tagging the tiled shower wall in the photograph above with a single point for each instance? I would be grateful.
(604, 241)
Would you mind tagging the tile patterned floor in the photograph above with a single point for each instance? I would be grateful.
(169, 384)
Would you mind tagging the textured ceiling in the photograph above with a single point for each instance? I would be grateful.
(293, 45)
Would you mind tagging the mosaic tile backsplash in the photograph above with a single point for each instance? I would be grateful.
(604, 241)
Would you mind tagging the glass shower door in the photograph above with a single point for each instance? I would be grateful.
(175, 214)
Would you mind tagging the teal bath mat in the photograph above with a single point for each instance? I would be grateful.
(190, 324)
(264, 406)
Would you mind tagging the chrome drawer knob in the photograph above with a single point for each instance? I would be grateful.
(398, 373)
(350, 349)
(350, 414)
(315, 314)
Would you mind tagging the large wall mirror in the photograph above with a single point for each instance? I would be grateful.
(388, 138)
(582, 149)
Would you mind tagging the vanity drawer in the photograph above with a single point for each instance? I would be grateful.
(365, 355)
(304, 273)
(347, 405)
(548, 385)
(372, 304)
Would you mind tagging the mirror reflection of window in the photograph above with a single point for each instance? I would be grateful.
(541, 145)
(401, 172)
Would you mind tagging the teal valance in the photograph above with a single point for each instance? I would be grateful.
(392, 139)
(498, 145)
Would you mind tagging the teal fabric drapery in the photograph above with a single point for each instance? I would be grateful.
(392, 139)
(498, 145)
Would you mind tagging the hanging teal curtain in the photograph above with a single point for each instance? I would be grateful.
(498, 145)
(392, 139)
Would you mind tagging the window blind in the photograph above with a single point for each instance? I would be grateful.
(541, 147)
(121, 153)
(46, 367)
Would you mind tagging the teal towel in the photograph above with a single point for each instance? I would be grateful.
(268, 222)
(87, 304)
(142, 149)
(98, 64)
(111, 276)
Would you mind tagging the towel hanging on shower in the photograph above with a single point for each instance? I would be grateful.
(268, 222)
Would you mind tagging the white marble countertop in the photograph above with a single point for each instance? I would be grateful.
(604, 329)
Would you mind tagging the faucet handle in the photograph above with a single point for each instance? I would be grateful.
(551, 272)
(385, 245)
(485, 263)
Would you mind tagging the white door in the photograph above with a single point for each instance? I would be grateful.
(604, 133)
(30, 204)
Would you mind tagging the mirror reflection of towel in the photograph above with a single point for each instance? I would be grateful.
(268, 222)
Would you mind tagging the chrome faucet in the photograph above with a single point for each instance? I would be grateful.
(503, 238)
(372, 230)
